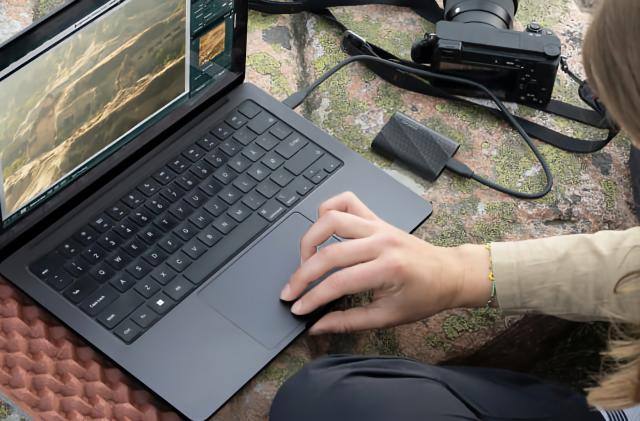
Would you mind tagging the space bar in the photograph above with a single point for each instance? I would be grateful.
(224, 250)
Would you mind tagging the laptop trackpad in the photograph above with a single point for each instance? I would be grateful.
(247, 293)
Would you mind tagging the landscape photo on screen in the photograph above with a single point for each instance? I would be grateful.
(212, 44)
(73, 101)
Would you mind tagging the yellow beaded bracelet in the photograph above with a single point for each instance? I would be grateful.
(492, 299)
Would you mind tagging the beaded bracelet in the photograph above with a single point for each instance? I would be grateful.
(492, 299)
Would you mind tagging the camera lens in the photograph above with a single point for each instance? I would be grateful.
(496, 13)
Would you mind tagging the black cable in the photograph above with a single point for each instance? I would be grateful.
(297, 98)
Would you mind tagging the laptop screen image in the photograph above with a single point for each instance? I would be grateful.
(78, 101)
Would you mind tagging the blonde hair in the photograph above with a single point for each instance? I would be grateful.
(612, 61)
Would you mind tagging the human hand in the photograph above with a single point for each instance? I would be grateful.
(410, 278)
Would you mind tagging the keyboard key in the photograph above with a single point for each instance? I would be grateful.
(313, 170)
(161, 304)
(76, 267)
(164, 176)
(282, 177)
(258, 171)
(125, 229)
(93, 254)
(144, 317)
(236, 120)
(117, 211)
(157, 205)
(207, 142)
(134, 247)
(292, 144)
(46, 265)
(320, 175)
(222, 131)
(99, 300)
(119, 309)
(187, 181)
(272, 210)
(179, 165)
(253, 200)
(186, 230)
(262, 122)
(69, 248)
(230, 195)
(196, 198)
(155, 256)
(302, 186)
(249, 109)
(240, 163)
(244, 183)
(253, 152)
(172, 193)
(273, 160)
(216, 158)
(101, 223)
(59, 279)
(134, 199)
(244, 136)
(303, 159)
(280, 130)
(170, 243)
(119, 260)
(209, 236)
(239, 212)
(230, 147)
(224, 224)
(215, 206)
(122, 282)
(226, 248)
(141, 217)
(149, 187)
(267, 141)
(81, 289)
(109, 241)
(225, 175)
(181, 210)
(288, 197)
(179, 261)
(268, 188)
(150, 235)
(201, 218)
(163, 274)
(202, 170)
(86, 236)
(128, 331)
(139, 269)
(329, 164)
(178, 288)
(194, 248)
(166, 222)
(147, 288)
(194, 153)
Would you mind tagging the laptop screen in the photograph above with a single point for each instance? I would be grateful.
(94, 87)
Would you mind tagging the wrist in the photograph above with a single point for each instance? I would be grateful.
(474, 285)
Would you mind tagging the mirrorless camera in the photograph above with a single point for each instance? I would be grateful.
(476, 41)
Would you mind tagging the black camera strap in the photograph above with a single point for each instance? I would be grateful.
(354, 45)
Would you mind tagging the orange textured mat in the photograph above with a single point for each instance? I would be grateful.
(53, 375)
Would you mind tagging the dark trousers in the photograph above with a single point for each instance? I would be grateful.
(350, 388)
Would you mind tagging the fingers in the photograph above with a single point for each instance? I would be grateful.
(333, 223)
(351, 320)
(348, 281)
(338, 255)
(349, 203)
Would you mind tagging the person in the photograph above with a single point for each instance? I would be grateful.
(578, 277)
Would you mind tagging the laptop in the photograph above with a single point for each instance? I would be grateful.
(153, 201)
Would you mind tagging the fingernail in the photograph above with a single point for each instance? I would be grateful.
(297, 307)
(286, 292)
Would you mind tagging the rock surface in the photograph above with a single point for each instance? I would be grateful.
(591, 192)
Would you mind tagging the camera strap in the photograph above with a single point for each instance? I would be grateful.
(596, 116)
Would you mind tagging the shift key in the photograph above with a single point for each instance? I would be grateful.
(224, 250)
(120, 309)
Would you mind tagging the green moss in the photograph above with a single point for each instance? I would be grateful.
(283, 368)
(5, 410)
(383, 342)
(499, 219)
(610, 191)
(475, 320)
(261, 21)
(389, 98)
(266, 65)
(474, 117)
(548, 13)
(438, 342)
(43, 7)
(439, 125)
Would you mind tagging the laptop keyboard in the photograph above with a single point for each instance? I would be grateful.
(131, 264)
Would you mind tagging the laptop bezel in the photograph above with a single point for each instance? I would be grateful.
(24, 229)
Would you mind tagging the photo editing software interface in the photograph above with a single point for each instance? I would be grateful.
(71, 104)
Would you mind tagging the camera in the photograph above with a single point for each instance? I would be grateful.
(476, 41)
